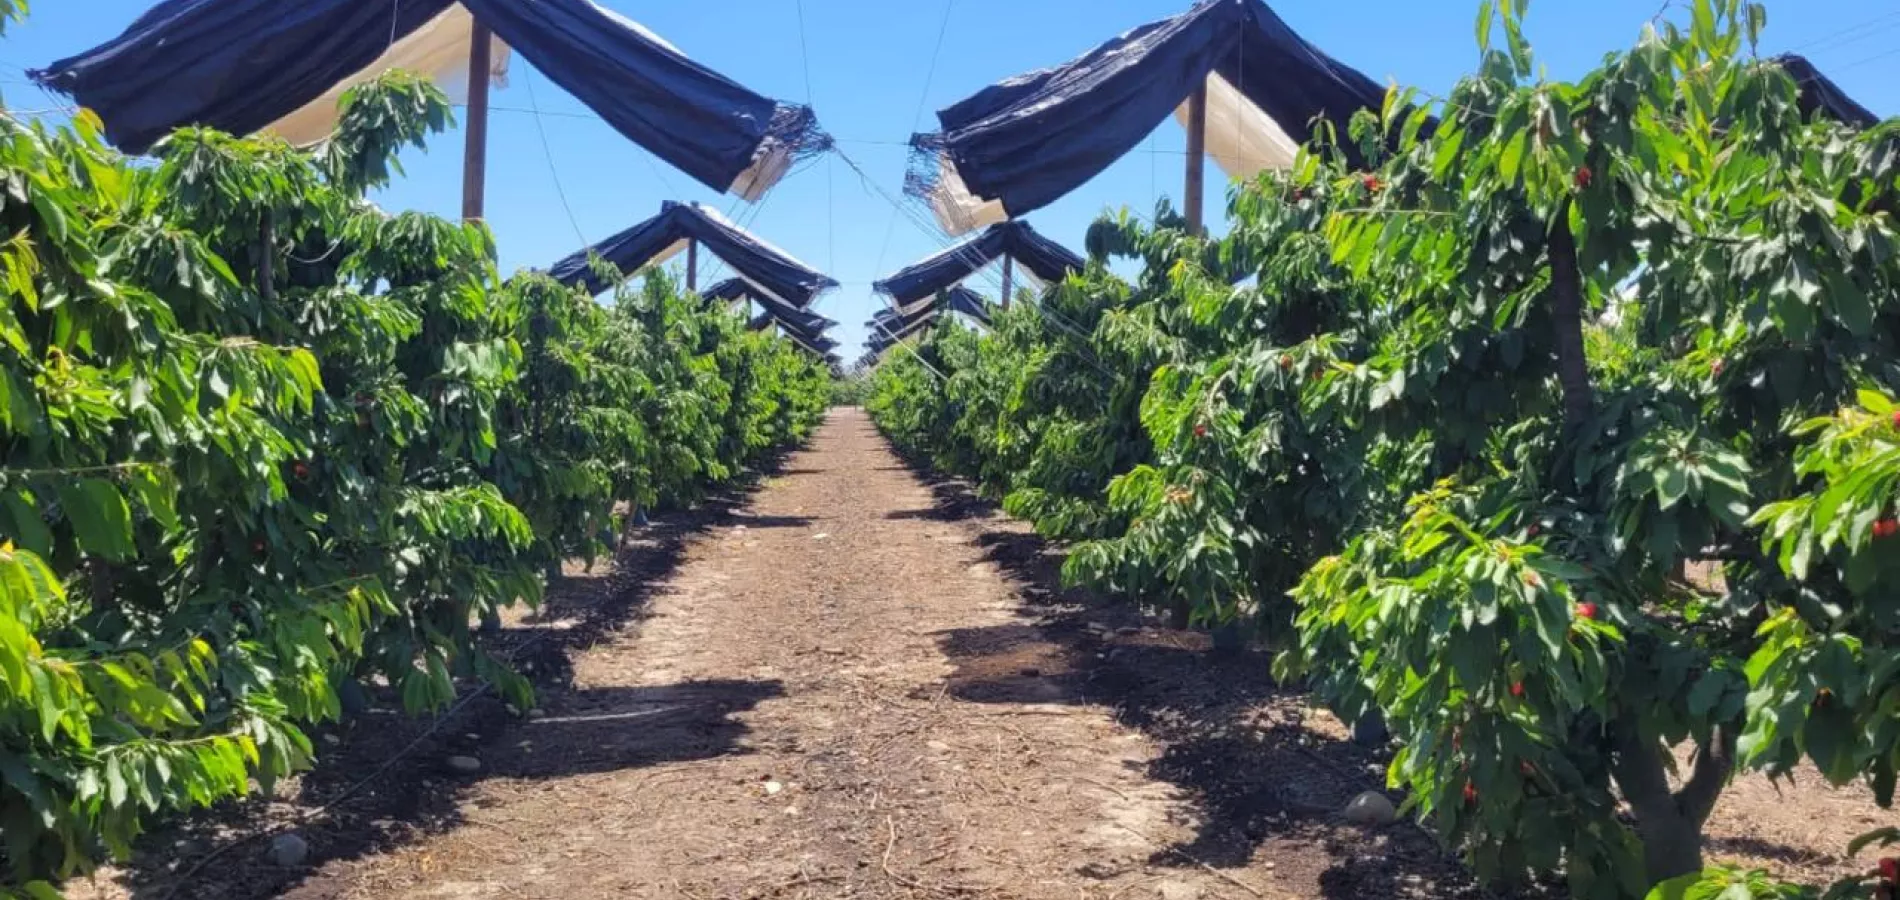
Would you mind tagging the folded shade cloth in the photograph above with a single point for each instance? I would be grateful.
(891, 320)
(960, 299)
(807, 334)
(821, 347)
(899, 323)
(1819, 94)
(735, 289)
(1041, 257)
(245, 66)
(767, 271)
(892, 333)
(815, 344)
(731, 290)
(1022, 144)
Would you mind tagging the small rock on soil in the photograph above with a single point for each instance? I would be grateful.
(1371, 808)
(289, 851)
(463, 765)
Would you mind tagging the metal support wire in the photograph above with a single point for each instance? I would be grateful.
(945, 242)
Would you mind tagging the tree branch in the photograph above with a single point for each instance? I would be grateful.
(1639, 771)
(1714, 762)
(267, 261)
(1566, 301)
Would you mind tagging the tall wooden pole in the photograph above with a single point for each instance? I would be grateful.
(1009, 273)
(692, 265)
(475, 156)
(1196, 161)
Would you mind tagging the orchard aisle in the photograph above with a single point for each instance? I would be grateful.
(831, 697)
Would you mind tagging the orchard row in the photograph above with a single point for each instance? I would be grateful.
(262, 443)
(1560, 435)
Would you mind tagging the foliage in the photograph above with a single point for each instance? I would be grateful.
(261, 442)
(1562, 437)
(852, 389)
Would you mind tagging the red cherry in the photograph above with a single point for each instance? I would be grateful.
(1890, 870)
(1517, 688)
(1471, 794)
(1200, 431)
(1716, 368)
(300, 469)
(1886, 528)
(1286, 362)
(1896, 418)
(1584, 176)
(1373, 183)
(1525, 769)
(1586, 610)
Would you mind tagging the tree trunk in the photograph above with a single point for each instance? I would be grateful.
(1670, 823)
(1566, 306)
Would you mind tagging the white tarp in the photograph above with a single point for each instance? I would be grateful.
(959, 211)
(438, 50)
(1241, 139)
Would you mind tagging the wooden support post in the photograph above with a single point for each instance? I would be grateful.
(692, 265)
(1196, 161)
(1009, 277)
(475, 156)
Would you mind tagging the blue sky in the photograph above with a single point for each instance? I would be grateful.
(868, 64)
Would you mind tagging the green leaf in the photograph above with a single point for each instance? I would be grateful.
(1708, 692)
(1677, 888)
(1512, 158)
(25, 525)
(40, 890)
(1672, 484)
(100, 519)
(1885, 837)
(157, 494)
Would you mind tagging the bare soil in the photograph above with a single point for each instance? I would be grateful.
(855, 681)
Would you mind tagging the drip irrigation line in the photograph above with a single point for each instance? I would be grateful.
(356, 787)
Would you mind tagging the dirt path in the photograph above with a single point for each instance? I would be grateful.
(791, 721)
(859, 684)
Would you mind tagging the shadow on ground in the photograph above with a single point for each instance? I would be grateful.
(746, 521)
(1241, 748)
(382, 781)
